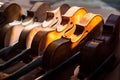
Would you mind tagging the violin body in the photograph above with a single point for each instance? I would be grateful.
(53, 20)
(68, 21)
(61, 49)
(16, 34)
(26, 33)
(51, 39)
(8, 16)
(35, 10)
(98, 49)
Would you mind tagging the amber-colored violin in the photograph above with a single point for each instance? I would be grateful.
(27, 38)
(61, 49)
(69, 19)
(30, 33)
(79, 12)
(52, 21)
(53, 18)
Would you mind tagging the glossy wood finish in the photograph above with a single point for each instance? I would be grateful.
(68, 21)
(27, 31)
(61, 49)
(18, 34)
(35, 13)
(77, 39)
(52, 21)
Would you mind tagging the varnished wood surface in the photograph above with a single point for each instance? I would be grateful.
(113, 75)
(53, 55)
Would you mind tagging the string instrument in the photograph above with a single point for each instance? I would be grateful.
(98, 49)
(35, 13)
(52, 21)
(33, 64)
(22, 40)
(78, 12)
(29, 34)
(12, 36)
(96, 55)
(43, 39)
(9, 13)
(61, 49)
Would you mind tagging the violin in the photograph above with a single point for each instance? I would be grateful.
(43, 38)
(50, 22)
(53, 19)
(9, 13)
(97, 50)
(32, 15)
(12, 36)
(78, 10)
(71, 42)
(61, 49)
(21, 45)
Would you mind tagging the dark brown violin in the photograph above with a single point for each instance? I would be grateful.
(99, 49)
(78, 12)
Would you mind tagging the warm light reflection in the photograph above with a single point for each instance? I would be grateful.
(31, 36)
(89, 21)
(75, 18)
